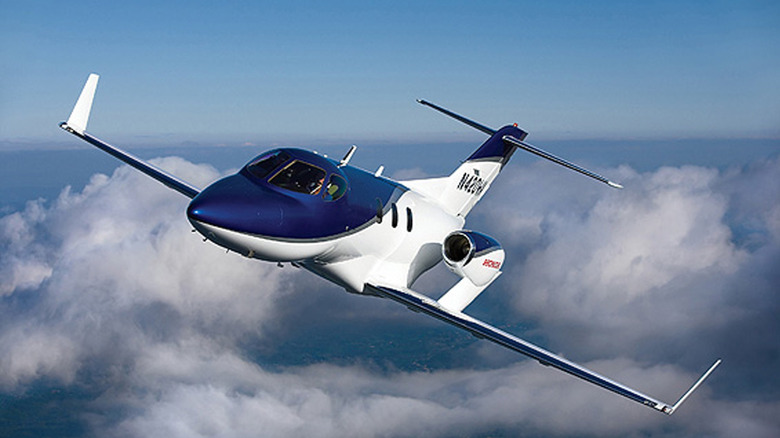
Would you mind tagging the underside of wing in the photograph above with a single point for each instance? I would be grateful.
(419, 302)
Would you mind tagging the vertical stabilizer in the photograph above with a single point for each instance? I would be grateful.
(472, 179)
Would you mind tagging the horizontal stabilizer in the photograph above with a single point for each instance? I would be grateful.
(536, 151)
(493, 147)
(458, 117)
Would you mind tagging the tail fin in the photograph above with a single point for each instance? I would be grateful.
(472, 179)
(459, 192)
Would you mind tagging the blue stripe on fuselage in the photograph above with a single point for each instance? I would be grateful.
(247, 204)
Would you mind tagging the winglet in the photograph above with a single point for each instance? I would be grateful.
(670, 410)
(77, 121)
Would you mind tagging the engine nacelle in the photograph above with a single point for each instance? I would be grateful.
(475, 256)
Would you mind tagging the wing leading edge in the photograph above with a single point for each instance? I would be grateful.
(419, 302)
(77, 125)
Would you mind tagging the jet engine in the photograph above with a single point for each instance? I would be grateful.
(473, 255)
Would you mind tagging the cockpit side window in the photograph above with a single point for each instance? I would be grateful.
(264, 165)
(335, 189)
(299, 177)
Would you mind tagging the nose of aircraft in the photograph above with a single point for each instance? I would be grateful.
(237, 204)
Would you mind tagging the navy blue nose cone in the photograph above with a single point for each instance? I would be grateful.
(237, 204)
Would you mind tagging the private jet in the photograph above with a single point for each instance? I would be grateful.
(366, 232)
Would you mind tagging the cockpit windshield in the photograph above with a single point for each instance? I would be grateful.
(299, 171)
(300, 177)
(262, 166)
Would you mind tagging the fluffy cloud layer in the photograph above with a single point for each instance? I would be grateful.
(108, 289)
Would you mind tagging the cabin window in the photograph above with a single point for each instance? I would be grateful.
(395, 215)
(335, 188)
(265, 164)
(379, 210)
(408, 219)
(300, 177)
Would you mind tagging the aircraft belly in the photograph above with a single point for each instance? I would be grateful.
(353, 258)
(349, 274)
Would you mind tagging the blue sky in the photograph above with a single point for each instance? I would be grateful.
(341, 71)
(116, 320)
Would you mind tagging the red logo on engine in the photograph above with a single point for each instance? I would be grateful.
(491, 264)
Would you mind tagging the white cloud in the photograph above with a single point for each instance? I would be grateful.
(34, 352)
(219, 394)
(111, 278)
(630, 244)
(24, 264)
(120, 264)
(651, 261)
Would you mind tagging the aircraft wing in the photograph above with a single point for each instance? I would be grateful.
(421, 303)
(77, 125)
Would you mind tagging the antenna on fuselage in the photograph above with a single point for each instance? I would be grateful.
(348, 157)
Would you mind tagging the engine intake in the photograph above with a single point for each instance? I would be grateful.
(458, 248)
(473, 255)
